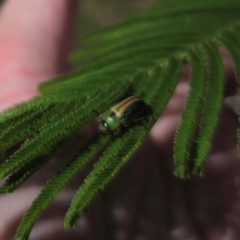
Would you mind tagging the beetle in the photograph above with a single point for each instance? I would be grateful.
(123, 113)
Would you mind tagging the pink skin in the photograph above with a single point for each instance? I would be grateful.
(145, 199)
(34, 45)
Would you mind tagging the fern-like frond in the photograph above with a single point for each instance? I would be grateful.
(67, 127)
(122, 148)
(142, 56)
(159, 37)
(157, 89)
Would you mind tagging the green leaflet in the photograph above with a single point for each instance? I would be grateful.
(231, 42)
(139, 83)
(212, 106)
(159, 88)
(22, 113)
(186, 132)
(105, 169)
(32, 149)
(21, 129)
(170, 43)
(28, 169)
(58, 182)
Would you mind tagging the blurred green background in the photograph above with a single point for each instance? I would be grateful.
(97, 14)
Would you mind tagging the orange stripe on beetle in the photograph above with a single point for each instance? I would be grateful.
(121, 107)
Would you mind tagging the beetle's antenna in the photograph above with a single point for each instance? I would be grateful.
(97, 114)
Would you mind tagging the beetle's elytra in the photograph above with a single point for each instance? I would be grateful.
(123, 113)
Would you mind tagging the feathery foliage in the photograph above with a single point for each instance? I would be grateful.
(190, 117)
(58, 182)
(211, 107)
(144, 56)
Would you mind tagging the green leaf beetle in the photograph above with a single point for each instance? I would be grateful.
(123, 113)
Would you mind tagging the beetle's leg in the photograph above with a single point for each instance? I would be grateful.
(139, 120)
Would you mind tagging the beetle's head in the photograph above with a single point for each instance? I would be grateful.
(109, 123)
(103, 126)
